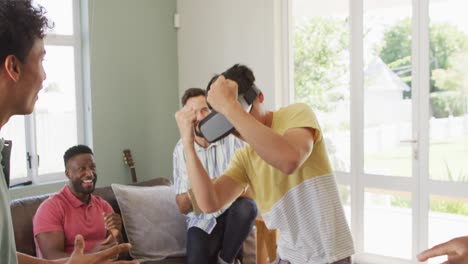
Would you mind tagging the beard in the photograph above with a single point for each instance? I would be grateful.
(79, 188)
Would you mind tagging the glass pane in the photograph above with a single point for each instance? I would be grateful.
(384, 209)
(321, 70)
(387, 87)
(55, 112)
(448, 218)
(61, 13)
(14, 130)
(448, 150)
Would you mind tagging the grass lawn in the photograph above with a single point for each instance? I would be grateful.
(448, 160)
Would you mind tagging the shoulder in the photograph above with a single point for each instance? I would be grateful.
(54, 200)
(294, 112)
(49, 203)
(296, 108)
(52, 206)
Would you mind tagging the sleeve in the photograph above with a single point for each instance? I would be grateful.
(179, 170)
(236, 169)
(49, 217)
(301, 115)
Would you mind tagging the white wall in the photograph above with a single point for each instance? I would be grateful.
(215, 34)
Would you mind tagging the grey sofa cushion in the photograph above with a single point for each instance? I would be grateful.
(153, 224)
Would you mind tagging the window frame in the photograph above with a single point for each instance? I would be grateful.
(82, 99)
(420, 185)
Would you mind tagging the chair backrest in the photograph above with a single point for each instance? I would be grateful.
(22, 213)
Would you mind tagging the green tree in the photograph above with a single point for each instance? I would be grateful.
(446, 41)
(320, 62)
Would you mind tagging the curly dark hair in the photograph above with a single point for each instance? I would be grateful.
(21, 24)
(239, 73)
(75, 150)
(192, 92)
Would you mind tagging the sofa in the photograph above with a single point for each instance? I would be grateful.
(23, 210)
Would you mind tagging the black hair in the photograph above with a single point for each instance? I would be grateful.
(21, 24)
(75, 150)
(242, 75)
(244, 78)
(192, 92)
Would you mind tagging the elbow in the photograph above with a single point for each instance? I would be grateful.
(290, 165)
(182, 210)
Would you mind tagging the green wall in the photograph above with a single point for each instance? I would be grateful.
(134, 86)
(134, 90)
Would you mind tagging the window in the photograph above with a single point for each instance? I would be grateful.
(40, 139)
(389, 87)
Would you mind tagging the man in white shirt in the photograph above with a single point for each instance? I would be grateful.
(223, 231)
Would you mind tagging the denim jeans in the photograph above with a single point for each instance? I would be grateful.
(347, 260)
(226, 239)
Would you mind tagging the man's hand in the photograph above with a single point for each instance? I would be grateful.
(455, 249)
(223, 94)
(102, 257)
(186, 119)
(109, 242)
(113, 223)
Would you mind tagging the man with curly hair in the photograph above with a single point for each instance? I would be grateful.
(22, 30)
(286, 166)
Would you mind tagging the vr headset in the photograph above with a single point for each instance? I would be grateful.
(215, 126)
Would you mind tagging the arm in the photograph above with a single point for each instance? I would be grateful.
(113, 223)
(52, 244)
(78, 257)
(184, 203)
(26, 259)
(210, 197)
(289, 151)
(182, 197)
(106, 256)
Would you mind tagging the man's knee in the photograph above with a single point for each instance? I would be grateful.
(245, 209)
(194, 236)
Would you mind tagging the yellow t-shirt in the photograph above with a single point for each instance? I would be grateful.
(269, 184)
(305, 206)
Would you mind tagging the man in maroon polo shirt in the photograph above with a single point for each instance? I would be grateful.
(74, 210)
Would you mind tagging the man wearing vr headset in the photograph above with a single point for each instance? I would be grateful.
(286, 166)
(223, 232)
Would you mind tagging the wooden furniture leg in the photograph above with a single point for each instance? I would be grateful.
(266, 242)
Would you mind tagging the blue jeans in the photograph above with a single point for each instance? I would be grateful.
(231, 230)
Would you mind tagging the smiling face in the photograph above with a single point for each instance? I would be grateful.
(81, 171)
(31, 75)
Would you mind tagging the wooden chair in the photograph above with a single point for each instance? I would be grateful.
(266, 242)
